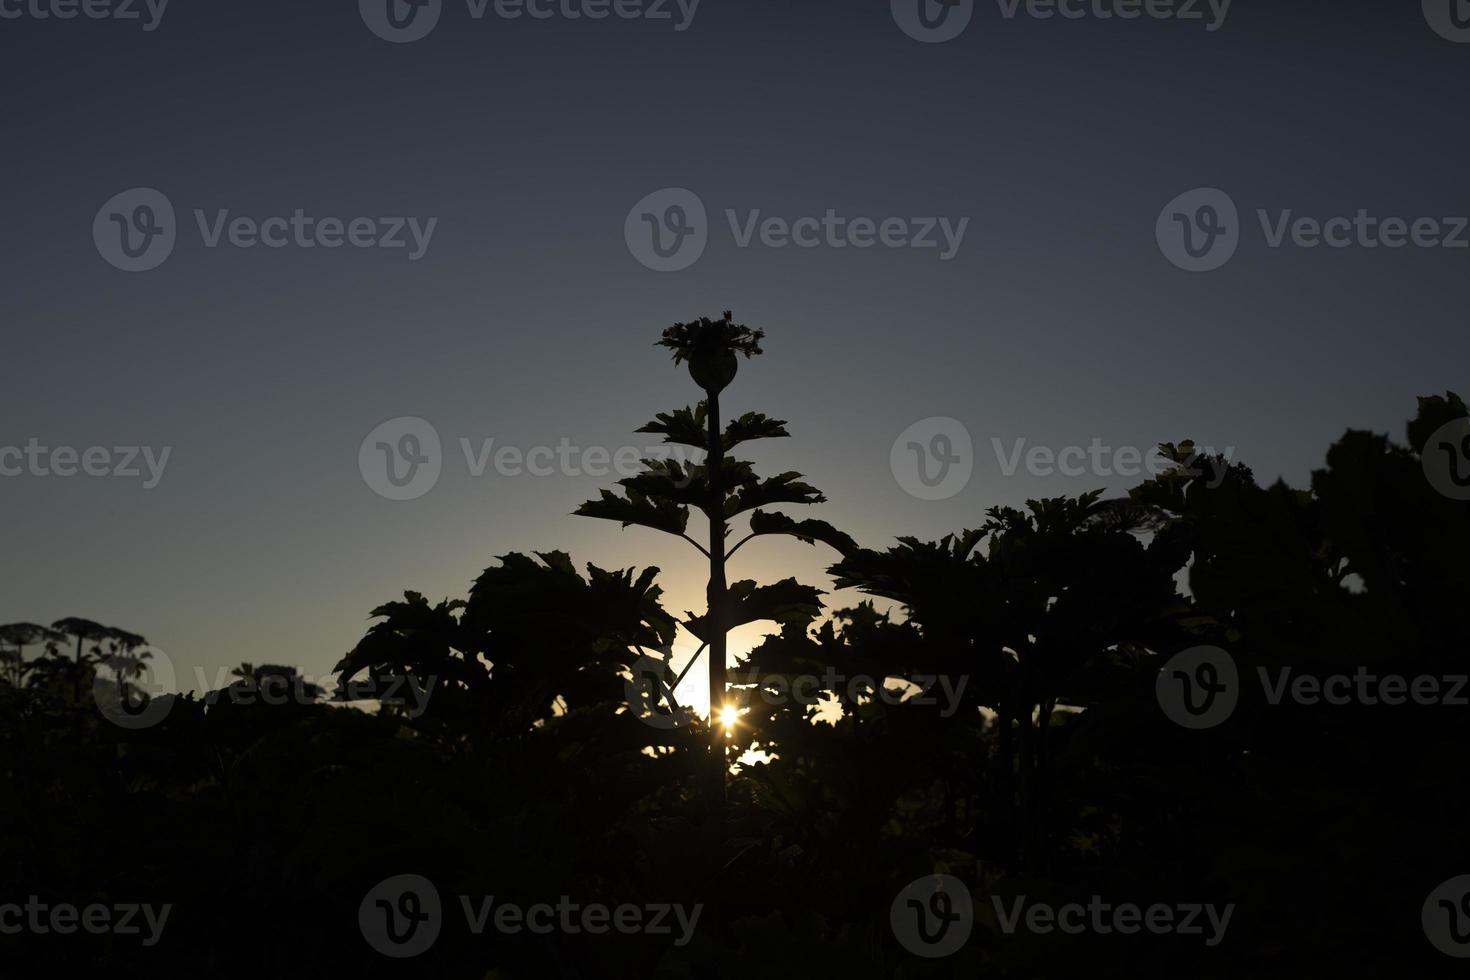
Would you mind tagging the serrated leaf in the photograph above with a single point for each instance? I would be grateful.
(785, 488)
(787, 601)
(684, 426)
(668, 481)
(635, 508)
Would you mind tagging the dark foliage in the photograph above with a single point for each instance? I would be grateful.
(1052, 773)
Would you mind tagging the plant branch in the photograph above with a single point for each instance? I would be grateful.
(753, 534)
(680, 679)
(702, 549)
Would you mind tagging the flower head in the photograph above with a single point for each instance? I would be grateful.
(710, 347)
(711, 338)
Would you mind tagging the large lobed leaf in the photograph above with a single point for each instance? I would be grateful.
(811, 531)
(787, 601)
(785, 488)
(690, 427)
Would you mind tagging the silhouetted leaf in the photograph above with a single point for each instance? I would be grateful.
(787, 601)
(785, 488)
(684, 426)
(810, 531)
(635, 508)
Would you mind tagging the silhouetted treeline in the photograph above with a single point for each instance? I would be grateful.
(520, 769)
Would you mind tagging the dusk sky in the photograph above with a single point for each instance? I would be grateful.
(528, 320)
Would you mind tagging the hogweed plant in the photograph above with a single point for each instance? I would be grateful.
(722, 488)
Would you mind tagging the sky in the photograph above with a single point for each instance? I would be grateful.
(527, 151)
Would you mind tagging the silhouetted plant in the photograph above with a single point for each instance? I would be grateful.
(125, 654)
(70, 675)
(1028, 609)
(535, 641)
(721, 488)
(83, 631)
(14, 638)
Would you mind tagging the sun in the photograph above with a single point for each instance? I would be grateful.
(729, 715)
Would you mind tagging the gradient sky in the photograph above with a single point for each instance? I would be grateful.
(528, 321)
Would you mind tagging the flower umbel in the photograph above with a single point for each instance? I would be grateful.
(712, 337)
(710, 347)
